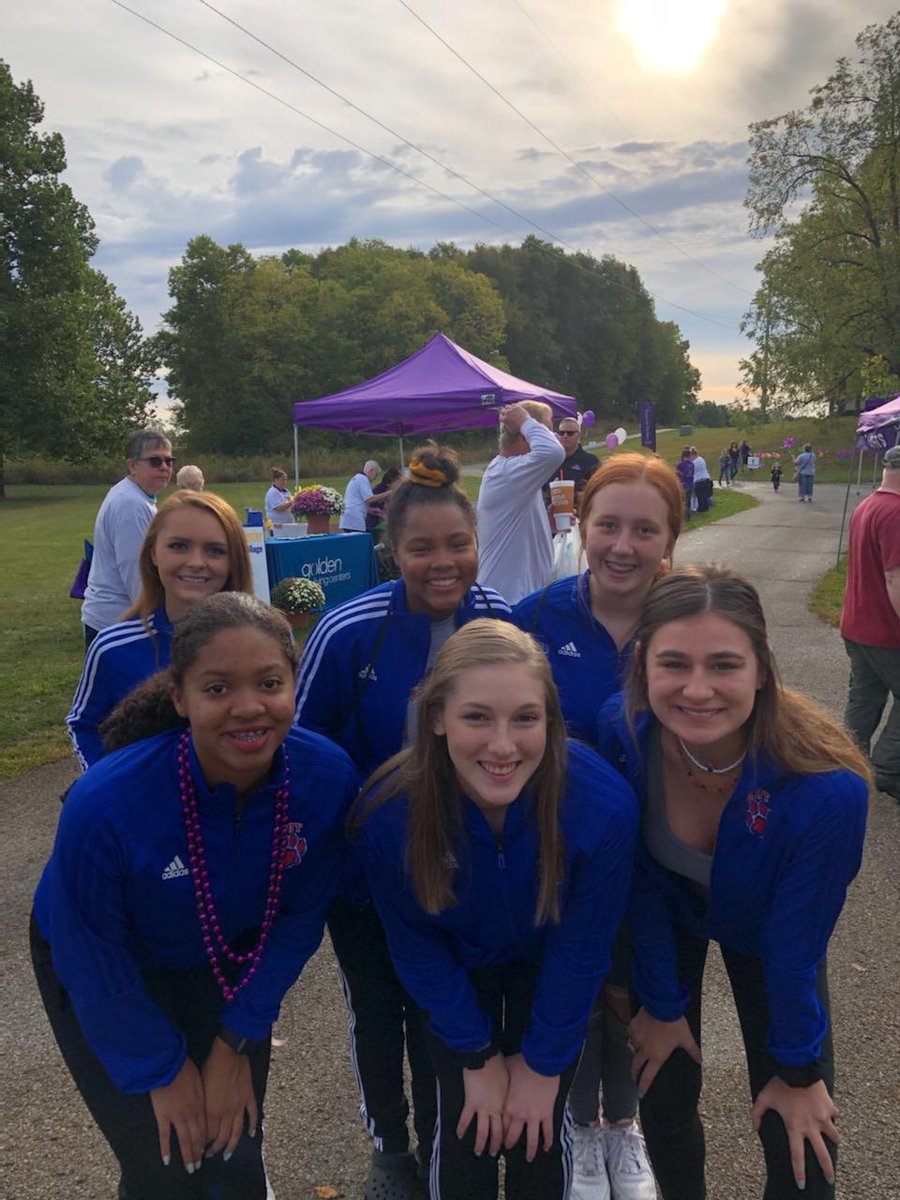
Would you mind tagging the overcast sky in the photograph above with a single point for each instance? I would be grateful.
(647, 101)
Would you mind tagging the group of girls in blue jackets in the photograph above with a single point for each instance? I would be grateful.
(522, 830)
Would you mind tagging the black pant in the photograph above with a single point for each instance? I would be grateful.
(669, 1112)
(506, 995)
(193, 1002)
(382, 1019)
(89, 635)
(703, 489)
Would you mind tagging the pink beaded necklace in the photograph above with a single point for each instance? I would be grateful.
(214, 942)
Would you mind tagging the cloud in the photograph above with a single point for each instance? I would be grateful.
(124, 172)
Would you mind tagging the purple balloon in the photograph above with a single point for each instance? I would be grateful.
(587, 420)
(612, 442)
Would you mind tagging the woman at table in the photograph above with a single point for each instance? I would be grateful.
(360, 675)
(499, 858)
(163, 943)
(193, 548)
(754, 812)
(630, 517)
(278, 499)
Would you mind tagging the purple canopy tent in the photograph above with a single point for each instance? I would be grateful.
(439, 388)
(877, 429)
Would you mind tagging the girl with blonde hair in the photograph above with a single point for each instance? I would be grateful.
(499, 857)
(193, 548)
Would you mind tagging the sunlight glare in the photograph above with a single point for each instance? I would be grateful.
(670, 35)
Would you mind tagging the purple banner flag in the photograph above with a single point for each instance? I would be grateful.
(647, 418)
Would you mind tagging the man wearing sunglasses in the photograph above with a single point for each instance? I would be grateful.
(127, 509)
(578, 465)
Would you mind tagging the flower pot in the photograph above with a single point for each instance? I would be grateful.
(318, 522)
(298, 620)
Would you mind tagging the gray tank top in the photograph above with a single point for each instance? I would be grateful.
(667, 849)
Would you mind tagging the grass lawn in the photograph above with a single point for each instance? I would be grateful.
(41, 645)
(828, 595)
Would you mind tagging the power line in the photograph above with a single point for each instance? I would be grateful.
(565, 154)
(425, 154)
(387, 162)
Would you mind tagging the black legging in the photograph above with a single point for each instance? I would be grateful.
(193, 1002)
(505, 995)
(383, 1019)
(669, 1112)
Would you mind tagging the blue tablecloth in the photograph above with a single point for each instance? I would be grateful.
(343, 563)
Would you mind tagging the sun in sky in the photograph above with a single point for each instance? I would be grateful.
(670, 35)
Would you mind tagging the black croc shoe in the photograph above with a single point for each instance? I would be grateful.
(392, 1177)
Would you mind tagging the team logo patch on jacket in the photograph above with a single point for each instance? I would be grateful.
(294, 846)
(757, 811)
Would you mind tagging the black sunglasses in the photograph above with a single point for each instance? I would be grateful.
(158, 460)
(568, 433)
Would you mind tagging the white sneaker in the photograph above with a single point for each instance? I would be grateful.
(589, 1180)
(627, 1165)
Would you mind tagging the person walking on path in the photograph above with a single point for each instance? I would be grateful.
(515, 545)
(685, 471)
(805, 467)
(734, 453)
(114, 582)
(776, 476)
(703, 484)
(870, 624)
(724, 469)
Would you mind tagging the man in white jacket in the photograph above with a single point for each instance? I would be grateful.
(514, 542)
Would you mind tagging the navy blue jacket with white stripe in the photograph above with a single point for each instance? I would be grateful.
(116, 897)
(362, 664)
(118, 659)
(786, 850)
(587, 665)
(496, 885)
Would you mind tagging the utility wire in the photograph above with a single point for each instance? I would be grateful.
(387, 162)
(425, 154)
(565, 154)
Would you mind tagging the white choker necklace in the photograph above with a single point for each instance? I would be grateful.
(707, 769)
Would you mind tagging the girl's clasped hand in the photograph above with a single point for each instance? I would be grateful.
(173, 875)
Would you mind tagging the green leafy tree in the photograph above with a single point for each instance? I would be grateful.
(73, 364)
(830, 295)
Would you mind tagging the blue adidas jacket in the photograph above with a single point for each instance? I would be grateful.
(787, 848)
(363, 662)
(118, 659)
(587, 665)
(117, 898)
(493, 923)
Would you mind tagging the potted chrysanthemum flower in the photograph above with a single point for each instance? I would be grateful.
(298, 599)
(316, 504)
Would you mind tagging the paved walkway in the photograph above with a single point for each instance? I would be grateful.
(49, 1148)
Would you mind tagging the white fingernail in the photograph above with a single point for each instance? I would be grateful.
(801, 1185)
(226, 1157)
(189, 1167)
(167, 1158)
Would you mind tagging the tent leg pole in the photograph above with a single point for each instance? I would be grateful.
(296, 459)
(837, 561)
(402, 464)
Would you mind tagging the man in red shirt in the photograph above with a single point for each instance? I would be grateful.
(870, 624)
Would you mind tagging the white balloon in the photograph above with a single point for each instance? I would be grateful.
(621, 434)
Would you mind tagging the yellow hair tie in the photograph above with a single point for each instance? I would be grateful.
(427, 476)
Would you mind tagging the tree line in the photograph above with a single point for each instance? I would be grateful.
(246, 336)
